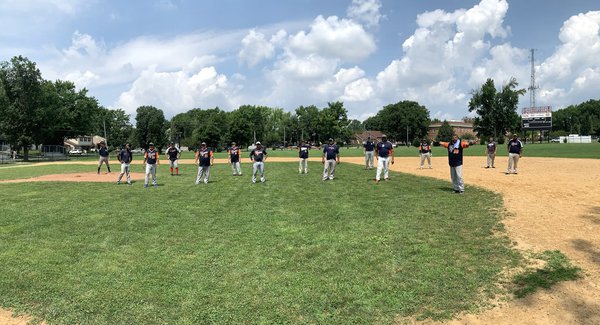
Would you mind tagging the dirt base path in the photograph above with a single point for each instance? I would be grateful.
(77, 177)
(553, 204)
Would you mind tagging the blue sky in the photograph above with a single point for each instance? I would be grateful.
(183, 54)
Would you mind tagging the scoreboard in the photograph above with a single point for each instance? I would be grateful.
(537, 118)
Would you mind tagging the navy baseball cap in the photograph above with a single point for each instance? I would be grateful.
(150, 144)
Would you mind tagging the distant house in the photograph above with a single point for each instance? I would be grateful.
(84, 142)
(460, 128)
(361, 137)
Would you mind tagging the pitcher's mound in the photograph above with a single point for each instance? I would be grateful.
(77, 177)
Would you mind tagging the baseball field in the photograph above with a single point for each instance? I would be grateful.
(77, 248)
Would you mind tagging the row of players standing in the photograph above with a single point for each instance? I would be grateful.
(384, 151)
(204, 159)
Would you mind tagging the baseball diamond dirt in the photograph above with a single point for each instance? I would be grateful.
(553, 204)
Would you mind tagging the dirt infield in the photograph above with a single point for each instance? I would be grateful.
(553, 204)
(76, 177)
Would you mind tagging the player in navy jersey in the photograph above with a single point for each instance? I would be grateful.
(515, 151)
(425, 153)
(303, 155)
(151, 160)
(258, 156)
(205, 159)
(385, 154)
(331, 157)
(103, 153)
(233, 157)
(369, 146)
(455, 160)
(173, 153)
(490, 151)
(125, 157)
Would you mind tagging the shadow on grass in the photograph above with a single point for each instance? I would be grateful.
(556, 269)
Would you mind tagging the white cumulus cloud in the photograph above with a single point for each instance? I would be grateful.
(179, 91)
(366, 12)
(334, 37)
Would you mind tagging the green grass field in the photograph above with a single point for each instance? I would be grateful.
(294, 249)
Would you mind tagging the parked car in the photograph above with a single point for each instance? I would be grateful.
(75, 152)
(137, 150)
(555, 140)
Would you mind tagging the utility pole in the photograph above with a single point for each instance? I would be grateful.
(407, 136)
(104, 125)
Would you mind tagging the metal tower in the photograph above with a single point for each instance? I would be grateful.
(532, 87)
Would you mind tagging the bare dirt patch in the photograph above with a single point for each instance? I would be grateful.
(76, 177)
(7, 318)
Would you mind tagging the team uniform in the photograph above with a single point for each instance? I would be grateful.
(125, 157)
(455, 160)
(173, 154)
(234, 160)
(369, 147)
(384, 151)
(151, 159)
(204, 157)
(303, 155)
(331, 152)
(258, 157)
(515, 147)
(491, 154)
(103, 152)
(425, 152)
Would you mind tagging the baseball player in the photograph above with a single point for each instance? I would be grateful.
(258, 156)
(332, 153)
(125, 157)
(455, 160)
(515, 151)
(233, 156)
(151, 160)
(384, 150)
(369, 146)
(303, 155)
(490, 150)
(205, 159)
(425, 153)
(103, 153)
(173, 153)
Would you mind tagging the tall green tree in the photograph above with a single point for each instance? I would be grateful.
(496, 111)
(69, 112)
(446, 132)
(212, 128)
(308, 122)
(333, 122)
(150, 126)
(23, 118)
(396, 119)
(373, 123)
(118, 127)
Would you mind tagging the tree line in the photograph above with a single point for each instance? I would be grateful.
(583, 119)
(38, 111)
